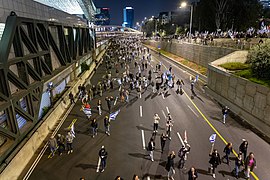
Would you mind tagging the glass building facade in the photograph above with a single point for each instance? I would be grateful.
(128, 14)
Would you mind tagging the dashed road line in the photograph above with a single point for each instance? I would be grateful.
(181, 140)
(193, 111)
(167, 109)
(98, 165)
(164, 114)
(141, 111)
(143, 140)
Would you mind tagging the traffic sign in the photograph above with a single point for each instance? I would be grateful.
(212, 138)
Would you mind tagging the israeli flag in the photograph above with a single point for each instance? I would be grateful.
(72, 130)
(212, 138)
(87, 111)
(114, 114)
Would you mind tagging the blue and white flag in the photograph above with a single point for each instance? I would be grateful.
(72, 130)
(87, 111)
(114, 114)
(212, 138)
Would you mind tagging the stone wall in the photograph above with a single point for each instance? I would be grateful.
(249, 100)
(199, 54)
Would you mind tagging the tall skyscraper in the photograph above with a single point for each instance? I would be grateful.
(103, 16)
(128, 14)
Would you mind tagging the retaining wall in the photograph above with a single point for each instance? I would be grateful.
(246, 99)
(199, 54)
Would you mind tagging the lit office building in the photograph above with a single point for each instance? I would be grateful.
(128, 13)
(102, 16)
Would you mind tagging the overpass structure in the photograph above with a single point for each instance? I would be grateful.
(40, 61)
(103, 32)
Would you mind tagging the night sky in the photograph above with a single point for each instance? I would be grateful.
(142, 8)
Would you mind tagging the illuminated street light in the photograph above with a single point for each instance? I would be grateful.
(183, 5)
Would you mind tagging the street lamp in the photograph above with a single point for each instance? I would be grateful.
(183, 5)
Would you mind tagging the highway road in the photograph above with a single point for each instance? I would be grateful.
(131, 131)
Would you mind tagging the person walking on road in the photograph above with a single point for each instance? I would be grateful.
(238, 164)
(156, 121)
(169, 126)
(107, 125)
(99, 107)
(103, 157)
(109, 102)
(214, 161)
(53, 145)
(61, 143)
(250, 164)
(225, 111)
(94, 126)
(192, 173)
(163, 139)
(71, 97)
(182, 154)
(151, 147)
(69, 139)
(243, 148)
(170, 165)
(227, 150)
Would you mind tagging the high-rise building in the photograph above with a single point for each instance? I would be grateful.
(128, 14)
(103, 16)
(265, 3)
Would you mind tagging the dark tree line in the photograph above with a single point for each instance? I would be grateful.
(228, 14)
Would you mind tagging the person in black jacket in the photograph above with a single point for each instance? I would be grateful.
(243, 148)
(214, 161)
(170, 165)
(103, 157)
(227, 150)
(151, 147)
(192, 173)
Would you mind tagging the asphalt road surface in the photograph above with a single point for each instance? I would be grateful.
(131, 131)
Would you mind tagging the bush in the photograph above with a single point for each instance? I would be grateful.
(244, 73)
(235, 66)
(45, 110)
(259, 58)
(84, 67)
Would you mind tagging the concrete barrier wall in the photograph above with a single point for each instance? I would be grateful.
(249, 100)
(199, 54)
(28, 152)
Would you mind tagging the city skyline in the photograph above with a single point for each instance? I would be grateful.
(142, 8)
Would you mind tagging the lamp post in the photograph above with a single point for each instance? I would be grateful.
(183, 5)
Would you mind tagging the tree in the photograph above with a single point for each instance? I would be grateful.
(259, 58)
(224, 14)
(221, 7)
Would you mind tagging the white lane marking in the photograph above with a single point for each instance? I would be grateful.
(31, 169)
(167, 109)
(115, 101)
(185, 136)
(143, 140)
(163, 95)
(98, 165)
(148, 178)
(193, 111)
(164, 114)
(141, 111)
(140, 95)
(181, 139)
